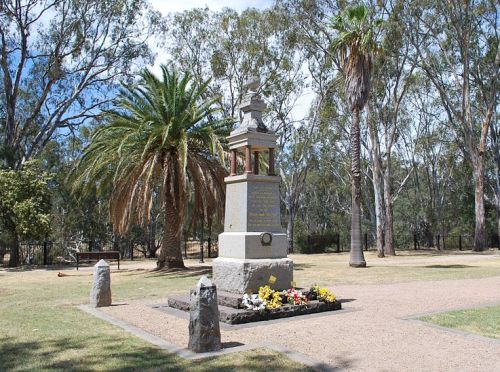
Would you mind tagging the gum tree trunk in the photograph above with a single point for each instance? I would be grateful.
(357, 258)
(289, 230)
(14, 251)
(377, 189)
(480, 229)
(389, 217)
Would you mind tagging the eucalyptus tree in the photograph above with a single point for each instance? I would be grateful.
(59, 60)
(162, 133)
(459, 59)
(355, 44)
(232, 47)
(393, 75)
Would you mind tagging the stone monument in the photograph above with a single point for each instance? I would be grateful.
(100, 294)
(252, 247)
(204, 330)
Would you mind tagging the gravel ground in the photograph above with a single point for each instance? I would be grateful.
(374, 337)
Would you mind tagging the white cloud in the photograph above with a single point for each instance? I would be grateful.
(167, 6)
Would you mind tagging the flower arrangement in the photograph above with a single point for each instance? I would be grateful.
(323, 294)
(253, 302)
(267, 298)
(294, 297)
(270, 296)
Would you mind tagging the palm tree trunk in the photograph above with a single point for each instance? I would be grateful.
(170, 253)
(357, 258)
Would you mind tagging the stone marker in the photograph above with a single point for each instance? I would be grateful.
(204, 331)
(101, 286)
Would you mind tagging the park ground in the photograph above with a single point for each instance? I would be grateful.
(416, 311)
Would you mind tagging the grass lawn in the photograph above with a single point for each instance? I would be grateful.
(483, 321)
(41, 328)
(407, 266)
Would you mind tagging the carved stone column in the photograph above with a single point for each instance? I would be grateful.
(271, 162)
(233, 162)
(256, 162)
(248, 159)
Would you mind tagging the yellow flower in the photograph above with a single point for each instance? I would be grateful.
(325, 295)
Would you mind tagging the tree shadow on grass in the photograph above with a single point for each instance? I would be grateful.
(453, 266)
(36, 355)
(188, 272)
(70, 354)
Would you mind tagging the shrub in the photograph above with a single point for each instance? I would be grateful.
(316, 242)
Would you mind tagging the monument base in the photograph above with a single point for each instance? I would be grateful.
(240, 276)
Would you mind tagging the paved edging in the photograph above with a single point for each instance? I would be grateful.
(189, 355)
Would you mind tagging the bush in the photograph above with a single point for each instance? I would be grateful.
(316, 242)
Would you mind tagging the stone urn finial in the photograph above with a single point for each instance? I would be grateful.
(253, 84)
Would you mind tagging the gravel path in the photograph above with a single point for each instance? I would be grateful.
(374, 337)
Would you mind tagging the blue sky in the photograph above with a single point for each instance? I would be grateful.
(166, 6)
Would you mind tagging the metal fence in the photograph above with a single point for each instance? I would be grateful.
(342, 243)
(44, 253)
(35, 253)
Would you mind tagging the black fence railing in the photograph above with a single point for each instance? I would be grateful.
(341, 242)
(35, 253)
(197, 249)
(46, 252)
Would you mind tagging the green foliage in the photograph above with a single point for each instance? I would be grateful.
(316, 242)
(163, 141)
(25, 201)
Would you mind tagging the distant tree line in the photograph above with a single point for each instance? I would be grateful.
(429, 158)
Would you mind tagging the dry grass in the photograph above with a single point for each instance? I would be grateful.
(40, 328)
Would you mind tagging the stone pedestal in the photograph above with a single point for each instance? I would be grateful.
(241, 275)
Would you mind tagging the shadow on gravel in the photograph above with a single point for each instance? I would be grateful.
(449, 266)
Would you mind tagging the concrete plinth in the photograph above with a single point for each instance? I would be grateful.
(248, 245)
(242, 275)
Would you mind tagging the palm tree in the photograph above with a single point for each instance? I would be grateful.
(355, 44)
(160, 137)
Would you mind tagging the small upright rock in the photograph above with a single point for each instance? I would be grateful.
(101, 286)
(204, 331)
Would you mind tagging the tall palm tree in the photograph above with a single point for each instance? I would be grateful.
(355, 44)
(160, 135)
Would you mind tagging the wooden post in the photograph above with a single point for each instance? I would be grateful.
(209, 240)
(256, 162)
(439, 242)
(271, 162)
(415, 241)
(201, 243)
(460, 242)
(248, 159)
(233, 162)
(185, 246)
(45, 252)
